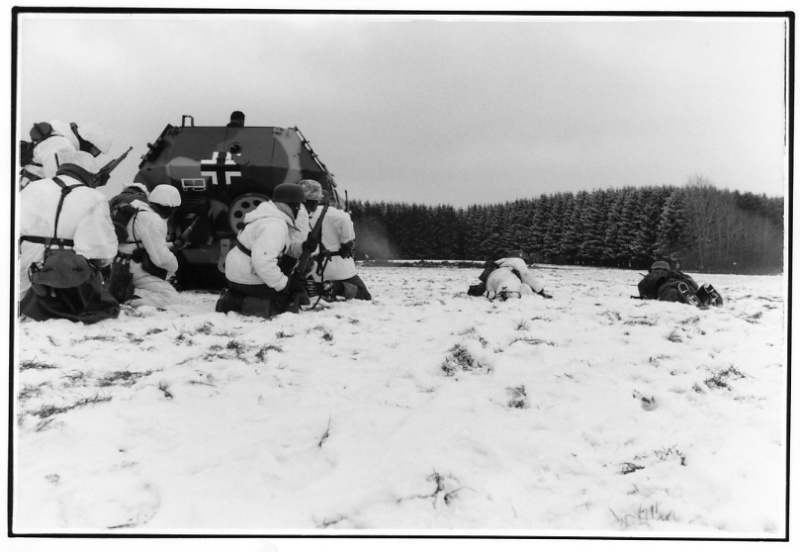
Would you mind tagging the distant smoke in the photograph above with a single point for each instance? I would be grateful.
(372, 241)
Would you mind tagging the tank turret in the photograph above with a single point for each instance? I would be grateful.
(222, 173)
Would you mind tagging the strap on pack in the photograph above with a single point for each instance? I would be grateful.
(55, 241)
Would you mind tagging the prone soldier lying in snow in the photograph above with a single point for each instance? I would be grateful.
(665, 284)
(507, 277)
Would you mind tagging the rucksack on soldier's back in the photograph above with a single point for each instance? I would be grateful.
(650, 284)
(121, 209)
(121, 215)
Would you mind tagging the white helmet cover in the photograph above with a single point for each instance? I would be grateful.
(165, 195)
(97, 135)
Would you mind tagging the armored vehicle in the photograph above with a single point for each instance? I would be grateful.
(222, 173)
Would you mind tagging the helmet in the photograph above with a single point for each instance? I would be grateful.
(96, 135)
(136, 187)
(660, 264)
(82, 159)
(312, 189)
(518, 253)
(165, 195)
(285, 193)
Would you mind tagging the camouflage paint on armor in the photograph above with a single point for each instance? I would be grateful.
(222, 173)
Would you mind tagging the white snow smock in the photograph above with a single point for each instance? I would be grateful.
(150, 230)
(49, 151)
(525, 275)
(337, 229)
(267, 235)
(85, 219)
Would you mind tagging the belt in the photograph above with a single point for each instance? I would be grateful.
(61, 242)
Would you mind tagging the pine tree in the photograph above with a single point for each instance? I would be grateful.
(612, 247)
(595, 224)
(672, 235)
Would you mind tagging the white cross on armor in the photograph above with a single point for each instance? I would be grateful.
(220, 168)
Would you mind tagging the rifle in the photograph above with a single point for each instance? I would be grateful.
(104, 173)
(184, 237)
(309, 246)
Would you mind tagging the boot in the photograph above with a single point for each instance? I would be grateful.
(229, 300)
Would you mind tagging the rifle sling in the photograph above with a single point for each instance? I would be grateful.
(315, 237)
(242, 248)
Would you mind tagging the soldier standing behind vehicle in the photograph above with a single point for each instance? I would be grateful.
(66, 236)
(256, 268)
(152, 261)
(335, 263)
(237, 119)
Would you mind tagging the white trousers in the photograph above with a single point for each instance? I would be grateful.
(151, 290)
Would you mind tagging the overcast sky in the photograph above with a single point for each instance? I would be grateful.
(458, 110)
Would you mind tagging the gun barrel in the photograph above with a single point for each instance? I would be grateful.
(111, 165)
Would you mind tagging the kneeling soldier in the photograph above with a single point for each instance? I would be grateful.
(152, 261)
(256, 269)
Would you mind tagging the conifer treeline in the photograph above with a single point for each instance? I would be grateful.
(701, 226)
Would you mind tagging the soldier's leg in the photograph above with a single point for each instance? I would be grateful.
(362, 291)
(151, 290)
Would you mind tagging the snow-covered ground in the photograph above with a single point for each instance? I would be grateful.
(425, 411)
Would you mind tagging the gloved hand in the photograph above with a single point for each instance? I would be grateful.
(295, 290)
(178, 244)
(100, 179)
(296, 284)
(346, 250)
(545, 294)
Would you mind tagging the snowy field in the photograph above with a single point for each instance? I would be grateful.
(423, 412)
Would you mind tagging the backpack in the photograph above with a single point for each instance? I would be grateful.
(650, 284)
(122, 212)
(669, 285)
